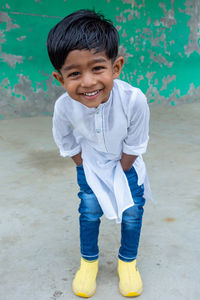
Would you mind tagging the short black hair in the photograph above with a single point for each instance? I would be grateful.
(83, 29)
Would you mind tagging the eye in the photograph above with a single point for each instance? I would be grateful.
(74, 74)
(98, 68)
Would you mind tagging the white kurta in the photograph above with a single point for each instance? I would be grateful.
(119, 125)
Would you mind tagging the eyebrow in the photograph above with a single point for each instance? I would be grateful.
(94, 61)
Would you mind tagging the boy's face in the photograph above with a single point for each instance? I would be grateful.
(88, 77)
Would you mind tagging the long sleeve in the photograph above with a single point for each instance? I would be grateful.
(138, 131)
(63, 134)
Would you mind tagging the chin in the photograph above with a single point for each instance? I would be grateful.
(92, 105)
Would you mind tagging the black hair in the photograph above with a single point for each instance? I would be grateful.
(83, 29)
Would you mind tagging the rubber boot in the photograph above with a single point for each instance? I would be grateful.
(84, 283)
(130, 283)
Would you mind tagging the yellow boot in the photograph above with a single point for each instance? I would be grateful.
(84, 283)
(130, 284)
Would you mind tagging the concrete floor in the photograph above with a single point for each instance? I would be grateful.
(39, 250)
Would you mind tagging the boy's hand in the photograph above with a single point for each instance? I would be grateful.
(77, 159)
(127, 161)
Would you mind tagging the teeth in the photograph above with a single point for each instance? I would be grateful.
(91, 94)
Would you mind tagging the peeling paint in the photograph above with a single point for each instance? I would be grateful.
(134, 3)
(166, 81)
(22, 98)
(140, 77)
(11, 59)
(21, 38)
(123, 52)
(159, 40)
(158, 58)
(169, 20)
(193, 10)
(4, 18)
(124, 34)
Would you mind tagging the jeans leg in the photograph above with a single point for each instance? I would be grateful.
(89, 220)
(132, 220)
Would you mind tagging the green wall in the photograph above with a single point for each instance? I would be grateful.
(160, 40)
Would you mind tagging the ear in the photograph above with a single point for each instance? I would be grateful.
(58, 77)
(117, 66)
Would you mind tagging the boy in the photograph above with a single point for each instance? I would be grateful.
(102, 124)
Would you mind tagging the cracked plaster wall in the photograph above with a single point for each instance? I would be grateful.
(159, 39)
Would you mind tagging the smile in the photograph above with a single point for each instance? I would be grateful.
(92, 93)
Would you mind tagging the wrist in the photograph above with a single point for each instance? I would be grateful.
(127, 161)
(126, 167)
(77, 159)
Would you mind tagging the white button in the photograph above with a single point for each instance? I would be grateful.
(97, 111)
(98, 130)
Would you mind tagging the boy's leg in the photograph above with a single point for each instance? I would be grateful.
(90, 213)
(130, 236)
(132, 219)
(84, 283)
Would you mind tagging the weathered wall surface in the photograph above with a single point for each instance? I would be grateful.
(160, 40)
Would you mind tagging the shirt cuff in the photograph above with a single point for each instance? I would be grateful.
(135, 150)
(70, 153)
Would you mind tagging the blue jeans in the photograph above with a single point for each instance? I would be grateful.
(91, 212)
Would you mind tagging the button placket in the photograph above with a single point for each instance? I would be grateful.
(97, 111)
(98, 125)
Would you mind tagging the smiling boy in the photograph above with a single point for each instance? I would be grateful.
(88, 76)
(102, 124)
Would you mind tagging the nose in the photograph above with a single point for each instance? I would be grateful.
(88, 80)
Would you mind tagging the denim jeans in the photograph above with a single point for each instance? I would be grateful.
(91, 212)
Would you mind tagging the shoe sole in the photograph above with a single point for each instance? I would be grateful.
(131, 294)
(84, 295)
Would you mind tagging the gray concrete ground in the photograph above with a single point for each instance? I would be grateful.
(39, 250)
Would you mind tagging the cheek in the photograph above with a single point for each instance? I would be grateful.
(70, 87)
(108, 80)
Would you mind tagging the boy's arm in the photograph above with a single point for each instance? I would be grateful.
(135, 143)
(63, 132)
(77, 159)
(127, 161)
